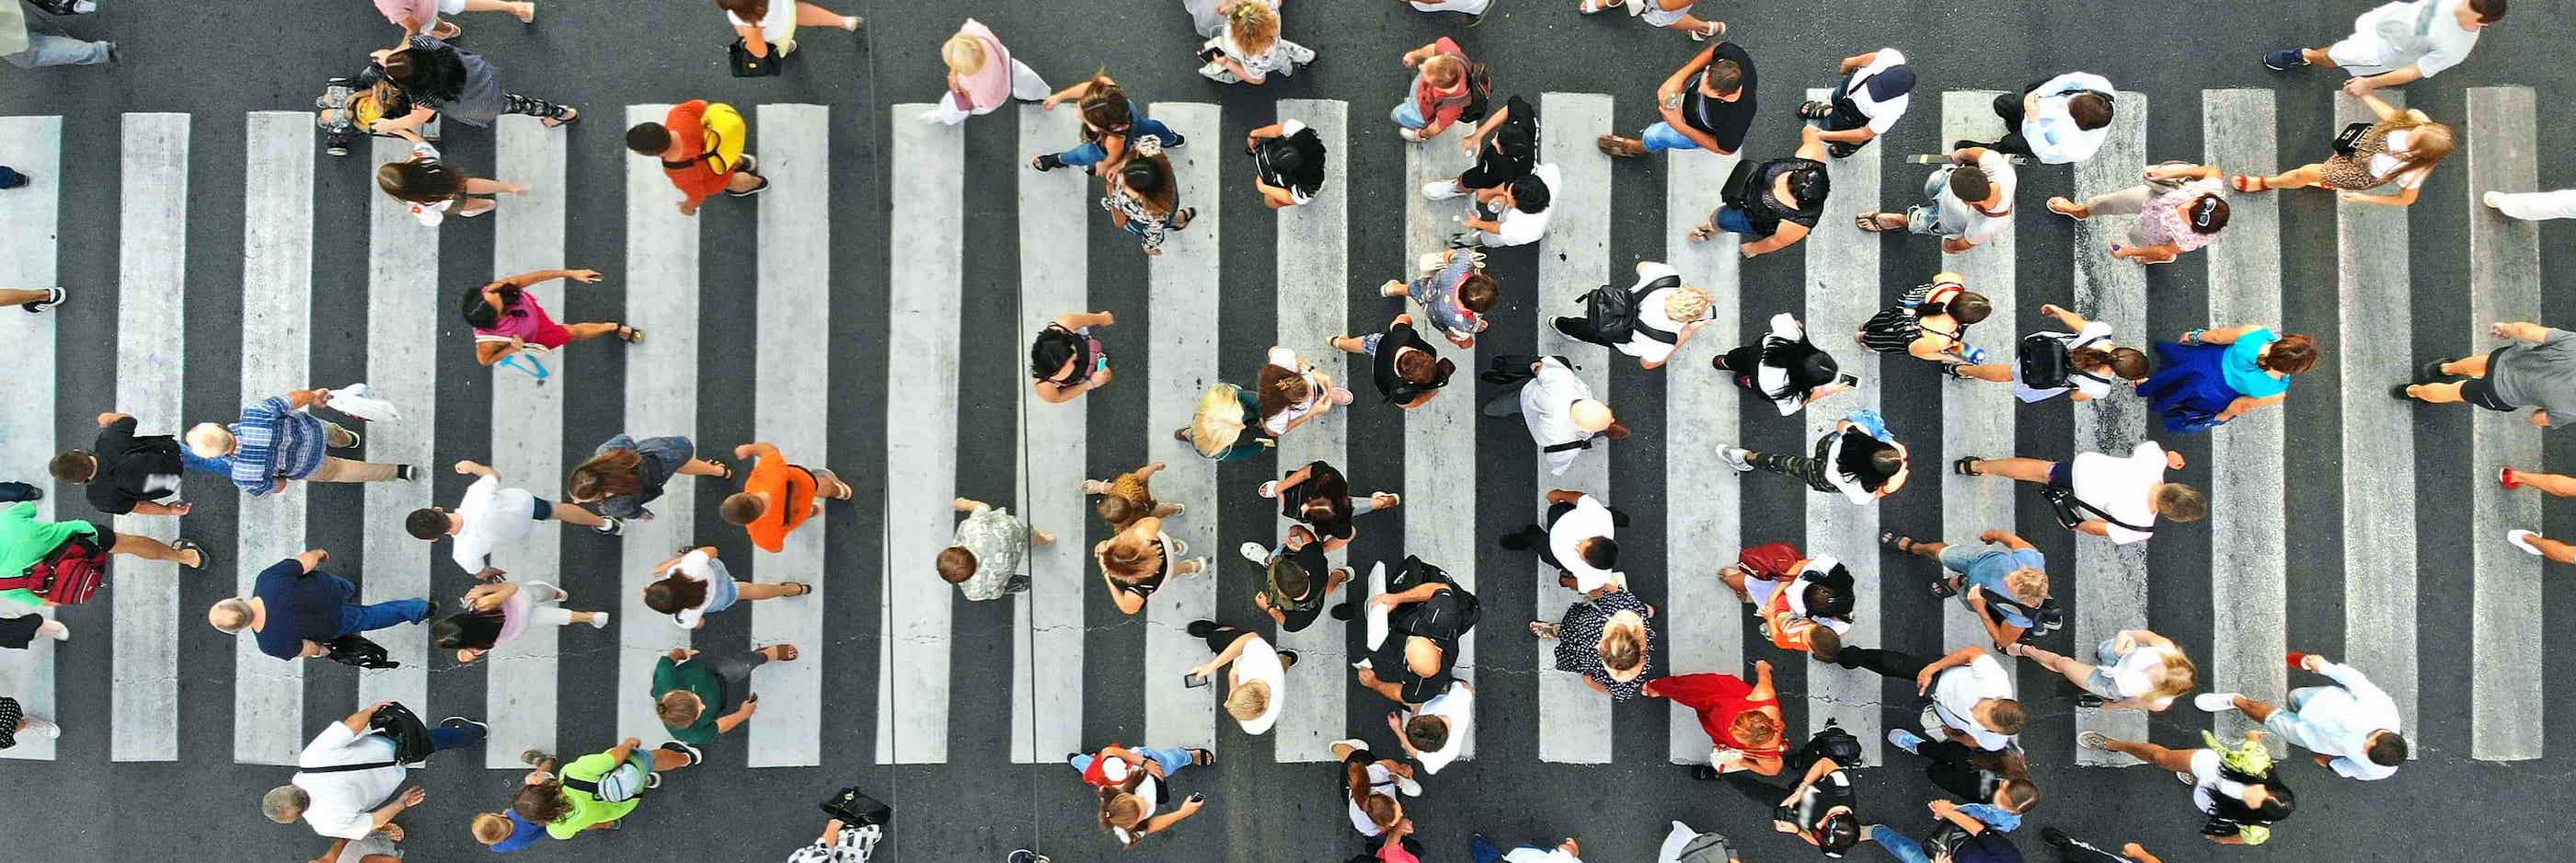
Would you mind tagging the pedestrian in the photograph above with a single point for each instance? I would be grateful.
(1435, 733)
(429, 187)
(1444, 89)
(1743, 719)
(1775, 202)
(442, 80)
(1822, 808)
(1999, 781)
(1514, 213)
(1143, 197)
(1222, 428)
(35, 301)
(2536, 368)
(1785, 368)
(1067, 360)
(1257, 682)
(1474, 9)
(2134, 669)
(1668, 14)
(1453, 291)
(1371, 787)
(1134, 783)
(1137, 560)
(777, 497)
(2402, 148)
(278, 440)
(1971, 202)
(1930, 323)
(1293, 392)
(295, 610)
(1605, 638)
(2180, 208)
(843, 842)
(1649, 320)
(124, 472)
(1505, 146)
(489, 517)
(1483, 850)
(1858, 458)
(2533, 206)
(1287, 163)
(2207, 377)
(2005, 584)
(1969, 695)
(1411, 631)
(18, 630)
(2073, 850)
(2237, 787)
(1687, 845)
(1129, 497)
(507, 830)
(1577, 536)
(355, 764)
(770, 25)
(1318, 496)
(2058, 121)
(2115, 497)
(497, 611)
(26, 542)
(1560, 411)
(1805, 602)
(704, 148)
(25, 47)
(701, 700)
(428, 16)
(624, 474)
(597, 791)
(1111, 128)
(1289, 593)
(14, 721)
(982, 75)
(1877, 88)
(1243, 41)
(2352, 726)
(1407, 370)
(695, 584)
(984, 559)
(2399, 43)
(509, 319)
(2081, 364)
(1707, 104)
(1960, 834)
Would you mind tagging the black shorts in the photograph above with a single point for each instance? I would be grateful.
(2062, 474)
(105, 538)
(2478, 391)
(544, 510)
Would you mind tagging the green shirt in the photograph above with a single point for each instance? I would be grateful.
(697, 678)
(24, 542)
(586, 808)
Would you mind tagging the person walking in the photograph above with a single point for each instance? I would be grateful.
(2402, 148)
(1134, 783)
(1111, 128)
(1435, 733)
(2536, 368)
(2398, 43)
(496, 612)
(429, 16)
(2005, 584)
(696, 584)
(2059, 121)
(507, 830)
(1877, 88)
(1774, 202)
(769, 26)
(984, 559)
(26, 542)
(24, 46)
(2180, 208)
(1243, 41)
(1577, 537)
(2115, 497)
(1067, 361)
(1961, 834)
(1143, 197)
(124, 472)
(1858, 458)
(1483, 850)
(1560, 411)
(1129, 497)
(777, 497)
(1707, 104)
(2533, 206)
(701, 700)
(2207, 377)
(1658, 315)
(1512, 213)
(1505, 146)
(1805, 603)
(490, 517)
(624, 474)
(1930, 323)
(1473, 9)
(1137, 560)
(442, 80)
(982, 76)
(1224, 426)
(1407, 370)
(2352, 726)
(1744, 719)
(347, 778)
(1969, 695)
(2135, 669)
(704, 148)
(1784, 368)
(1444, 88)
(1605, 638)
(1256, 678)
(34, 301)
(1287, 163)
(429, 188)
(1318, 496)
(295, 610)
(1453, 292)
(2081, 363)
(1411, 631)
(2000, 781)
(14, 721)
(597, 791)
(1971, 202)
(509, 320)
(2237, 787)
(1373, 788)
(2073, 850)
(1293, 392)
(278, 440)
(1822, 809)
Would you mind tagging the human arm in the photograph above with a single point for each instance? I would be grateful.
(1160, 823)
(761, 450)
(471, 467)
(2155, 254)
(357, 723)
(1815, 773)
(1227, 656)
(2137, 852)
(2007, 539)
(387, 813)
(539, 277)
(1788, 233)
(752, 39)
(727, 723)
(1068, 94)
(1418, 593)
(1955, 658)
(1474, 139)
(1999, 632)
(2227, 336)
(1373, 683)
(333, 855)
(2362, 85)
(1950, 812)
(489, 352)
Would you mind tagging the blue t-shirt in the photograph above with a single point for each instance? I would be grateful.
(523, 833)
(301, 606)
(1989, 570)
(1997, 817)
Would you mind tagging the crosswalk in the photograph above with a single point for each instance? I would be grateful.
(1319, 292)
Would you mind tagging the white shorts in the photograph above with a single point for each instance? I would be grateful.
(451, 7)
(1655, 14)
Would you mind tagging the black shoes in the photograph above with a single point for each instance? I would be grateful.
(53, 296)
(1201, 628)
(1047, 162)
(403, 472)
(1344, 611)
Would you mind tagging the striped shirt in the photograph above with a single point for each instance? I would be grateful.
(276, 440)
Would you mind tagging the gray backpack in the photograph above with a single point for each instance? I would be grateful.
(1706, 848)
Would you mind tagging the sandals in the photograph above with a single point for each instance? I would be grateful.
(630, 335)
(1544, 630)
(1269, 489)
(1703, 233)
(727, 474)
(2065, 210)
(1870, 222)
(560, 120)
(2250, 183)
(1815, 110)
(801, 590)
(1897, 541)
(1964, 466)
(1201, 757)
(183, 547)
(1715, 29)
(787, 652)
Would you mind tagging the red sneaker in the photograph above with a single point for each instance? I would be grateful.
(2506, 477)
(2298, 660)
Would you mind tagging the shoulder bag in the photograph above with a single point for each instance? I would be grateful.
(747, 66)
(69, 576)
(2073, 512)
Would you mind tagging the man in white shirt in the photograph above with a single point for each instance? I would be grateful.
(1561, 413)
(1434, 733)
(1576, 537)
(2118, 498)
(1971, 202)
(1514, 213)
(2059, 121)
(348, 776)
(1972, 695)
(490, 516)
(2399, 43)
(2351, 726)
(1664, 314)
(1879, 89)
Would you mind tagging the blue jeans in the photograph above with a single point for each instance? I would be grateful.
(1173, 758)
(1732, 220)
(1662, 136)
(454, 737)
(1898, 845)
(46, 49)
(1408, 115)
(355, 619)
(1091, 153)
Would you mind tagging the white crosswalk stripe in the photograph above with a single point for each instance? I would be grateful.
(2374, 298)
(519, 695)
(151, 333)
(1573, 720)
(1184, 365)
(276, 305)
(2110, 580)
(1702, 496)
(1314, 307)
(2249, 567)
(662, 289)
(33, 145)
(791, 411)
(403, 322)
(1047, 669)
(2506, 708)
(1977, 416)
(921, 434)
(1440, 436)
(1842, 275)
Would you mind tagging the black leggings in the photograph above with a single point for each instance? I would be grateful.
(514, 103)
(1223, 637)
(1808, 469)
(1891, 664)
(1581, 329)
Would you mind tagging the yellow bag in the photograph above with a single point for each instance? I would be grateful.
(726, 137)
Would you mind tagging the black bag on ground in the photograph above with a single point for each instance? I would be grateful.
(410, 736)
(747, 66)
(855, 808)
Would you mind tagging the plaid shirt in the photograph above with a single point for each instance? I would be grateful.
(276, 440)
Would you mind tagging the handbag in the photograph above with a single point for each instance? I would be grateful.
(362, 401)
(745, 65)
(69, 576)
(357, 651)
(2348, 141)
(410, 736)
(2073, 512)
(855, 808)
(528, 361)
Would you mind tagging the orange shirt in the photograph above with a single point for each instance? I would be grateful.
(791, 499)
(698, 180)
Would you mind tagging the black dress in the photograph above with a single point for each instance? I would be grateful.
(1578, 640)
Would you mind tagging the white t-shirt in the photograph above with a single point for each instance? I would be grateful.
(1979, 225)
(2119, 486)
(494, 517)
(434, 213)
(341, 801)
(1526, 854)
(1519, 228)
(2085, 383)
(1955, 693)
(1458, 705)
(695, 566)
(2441, 44)
(1259, 661)
(1315, 395)
(1882, 114)
(1650, 313)
(2385, 165)
(2130, 674)
(1381, 784)
(1589, 518)
(779, 24)
(1547, 407)
(1146, 791)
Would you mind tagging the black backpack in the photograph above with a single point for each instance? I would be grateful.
(1613, 311)
(2047, 363)
(2046, 618)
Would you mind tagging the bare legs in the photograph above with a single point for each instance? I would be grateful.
(2075, 672)
(478, 186)
(148, 548)
(2176, 760)
(2447, 392)
(2023, 469)
(753, 591)
(23, 296)
(573, 514)
(2297, 178)
(810, 15)
(1995, 372)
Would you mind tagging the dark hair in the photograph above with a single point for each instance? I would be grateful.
(1516, 137)
(479, 312)
(1140, 175)
(648, 139)
(1478, 292)
(2489, 11)
(1970, 183)
(606, 475)
(1118, 511)
(73, 467)
(2278, 801)
(1600, 552)
(1839, 832)
(475, 630)
(1150, 177)
(1104, 105)
(1327, 502)
(1053, 347)
(673, 593)
(1810, 186)
(2131, 364)
(750, 10)
(2208, 214)
(1416, 366)
(2388, 749)
(1966, 307)
(1294, 583)
(2010, 718)
(2091, 110)
(1530, 195)
(740, 509)
(436, 73)
(1725, 75)
(1825, 601)
(1427, 733)
(420, 181)
(956, 564)
(543, 803)
(1279, 389)
(2293, 354)
(427, 523)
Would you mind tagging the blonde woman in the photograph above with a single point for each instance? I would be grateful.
(1137, 561)
(1256, 678)
(1606, 640)
(2136, 670)
(2401, 148)
(982, 76)
(1243, 45)
(768, 25)
(1221, 428)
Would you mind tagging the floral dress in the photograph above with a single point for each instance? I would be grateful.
(1578, 641)
(1148, 229)
(1281, 58)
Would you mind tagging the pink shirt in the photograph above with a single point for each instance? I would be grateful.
(527, 321)
(989, 87)
(424, 11)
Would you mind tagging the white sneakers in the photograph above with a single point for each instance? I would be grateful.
(1442, 190)
(39, 726)
(59, 630)
(1253, 551)
(599, 620)
(1734, 456)
(2215, 702)
(2522, 539)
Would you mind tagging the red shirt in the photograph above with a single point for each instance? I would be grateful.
(1442, 107)
(699, 180)
(1718, 699)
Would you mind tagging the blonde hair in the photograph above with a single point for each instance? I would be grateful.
(2028, 584)
(1121, 809)
(964, 54)
(1623, 647)
(1444, 70)
(2180, 676)
(1248, 701)
(1687, 304)
(2427, 142)
(210, 440)
(492, 829)
(1254, 26)
(1217, 421)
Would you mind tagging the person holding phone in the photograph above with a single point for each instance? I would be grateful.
(1134, 783)
(1066, 360)
(1256, 684)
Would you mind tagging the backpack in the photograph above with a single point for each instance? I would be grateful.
(69, 576)
(1615, 315)
(2046, 618)
(1480, 90)
(1738, 187)
(1706, 848)
(410, 735)
(2047, 362)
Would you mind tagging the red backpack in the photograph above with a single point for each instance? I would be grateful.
(69, 576)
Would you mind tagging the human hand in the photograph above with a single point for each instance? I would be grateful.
(750, 705)
(180, 508)
(1783, 826)
(2540, 417)
(585, 276)
(2173, 459)
(680, 654)
(2312, 662)
(1923, 681)
(2359, 86)
(1468, 143)
(630, 743)
(688, 209)
(414, 797)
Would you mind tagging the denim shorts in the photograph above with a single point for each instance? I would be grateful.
(722, 591)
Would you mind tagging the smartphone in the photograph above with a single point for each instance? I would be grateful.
(1194, 680)
(1198, 797)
